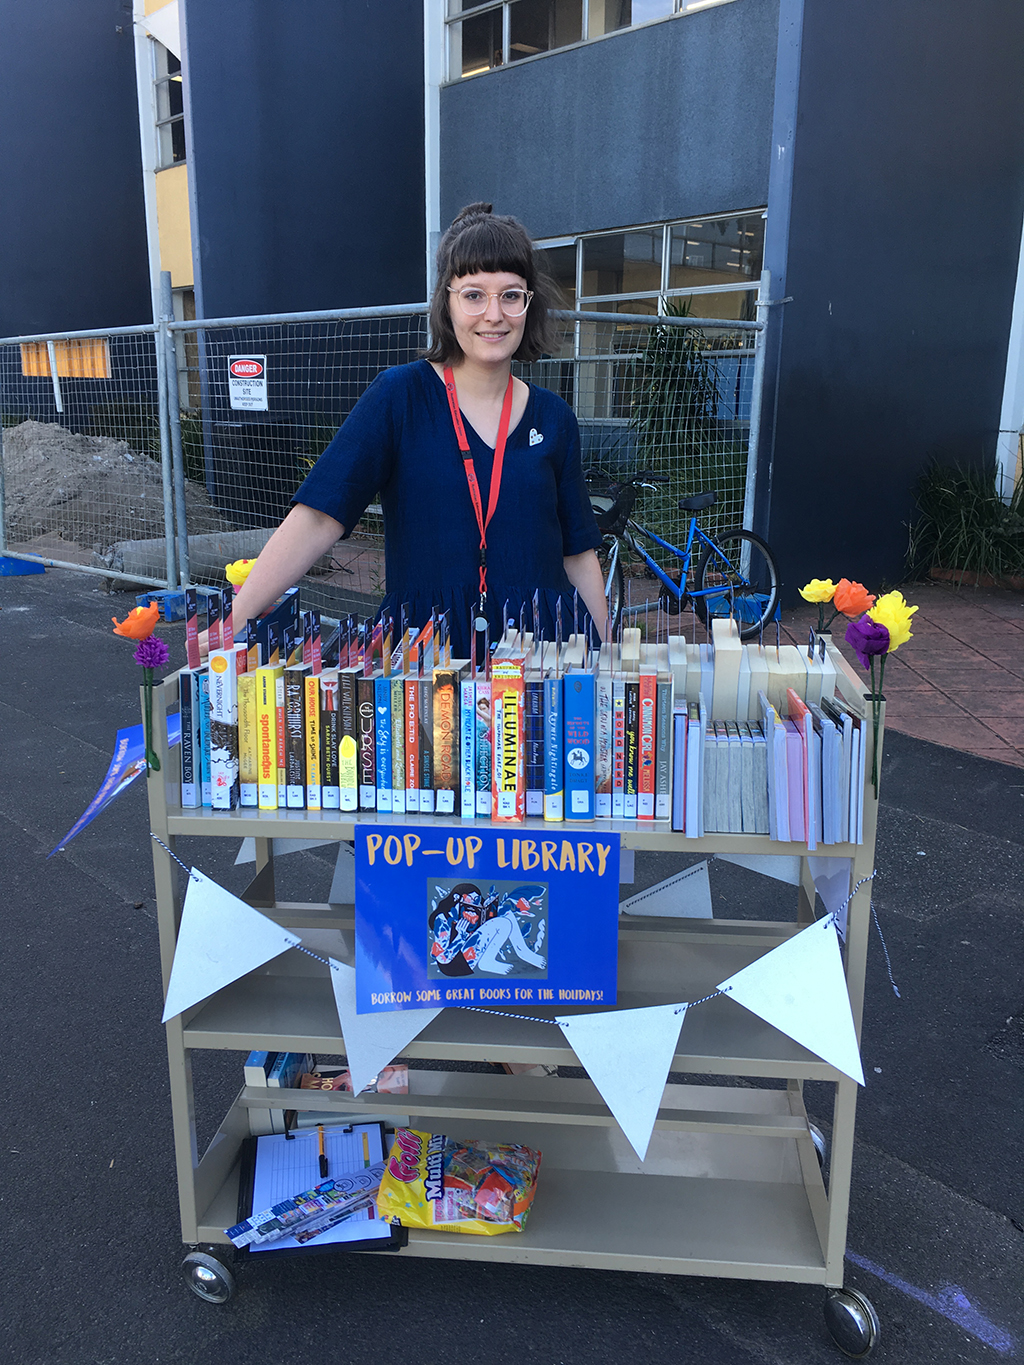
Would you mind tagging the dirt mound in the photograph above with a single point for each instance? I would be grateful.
(90, 490)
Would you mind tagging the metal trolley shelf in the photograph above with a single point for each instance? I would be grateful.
(733, 1181)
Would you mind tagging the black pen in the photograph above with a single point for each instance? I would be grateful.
(323, 1154)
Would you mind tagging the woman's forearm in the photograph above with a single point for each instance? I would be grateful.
(584, 573)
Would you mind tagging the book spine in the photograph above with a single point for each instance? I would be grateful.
(647, 729)
(330, 741)
(663, 752)
(446, 741)
(223, 730)
(579, 746)
(467, 750)
(367, 760)
(679, 771)
(248, 749)
(554, 775)
(632, 748)
(311, 710)
(397, 746)
(206, 789)
(484, 747)
(295, 740)
(412, 744)
(382, 738)
(191, 781)
(603, 746)
(266, 737)
(534, 740)
(281, 736)
(348, 740)
(508, 781)
(426, 739)
(618, 748)
(192, 630)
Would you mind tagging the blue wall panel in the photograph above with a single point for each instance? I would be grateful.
(906, 223)
(668, 121)
(72, 223)
(306, 154)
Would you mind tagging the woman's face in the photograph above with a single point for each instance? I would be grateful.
(490, 337)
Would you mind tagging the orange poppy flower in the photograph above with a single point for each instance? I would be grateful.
(852, 599)
(139, 622)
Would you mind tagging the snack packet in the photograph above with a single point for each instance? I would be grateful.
(432, 1181)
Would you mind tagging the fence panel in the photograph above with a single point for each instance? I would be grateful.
(81, 462)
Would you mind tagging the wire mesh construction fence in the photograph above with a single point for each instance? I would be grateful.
(157, 455)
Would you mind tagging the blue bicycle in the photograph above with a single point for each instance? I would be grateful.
(735, 576)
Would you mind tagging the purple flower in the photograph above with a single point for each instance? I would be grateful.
(868, 639)
(153, 653)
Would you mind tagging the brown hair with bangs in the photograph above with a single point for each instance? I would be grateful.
(480, 241)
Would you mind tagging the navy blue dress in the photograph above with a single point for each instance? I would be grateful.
(399, 442)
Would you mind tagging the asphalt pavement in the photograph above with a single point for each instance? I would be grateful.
(89, 1227)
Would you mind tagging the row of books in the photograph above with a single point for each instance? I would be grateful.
(299, 1071)
(546, 729)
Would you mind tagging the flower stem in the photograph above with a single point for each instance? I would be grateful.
(152, 762)
(876, 708)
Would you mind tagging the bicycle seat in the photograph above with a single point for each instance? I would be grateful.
(698, 502)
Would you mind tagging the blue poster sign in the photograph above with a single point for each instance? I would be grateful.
(488, 917)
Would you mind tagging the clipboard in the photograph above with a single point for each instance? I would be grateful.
(397, 1239)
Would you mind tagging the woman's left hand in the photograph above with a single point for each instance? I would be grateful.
(584, 573)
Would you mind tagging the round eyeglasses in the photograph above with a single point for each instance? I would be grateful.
(513, 302)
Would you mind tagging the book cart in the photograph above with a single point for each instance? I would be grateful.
(736, 1181)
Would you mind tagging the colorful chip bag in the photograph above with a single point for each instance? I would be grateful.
(432, 1181)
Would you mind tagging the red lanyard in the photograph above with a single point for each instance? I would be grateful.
(468, 466)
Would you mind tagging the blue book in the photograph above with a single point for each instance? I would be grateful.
(257, 1067)
(382, 722)
(467, 750)
(204, 734)
(578, 731)
(191, 760)
(554, 804)
(287, 1069)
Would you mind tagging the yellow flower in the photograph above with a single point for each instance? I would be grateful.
(818, 590)
(892, 611)
(238, 572)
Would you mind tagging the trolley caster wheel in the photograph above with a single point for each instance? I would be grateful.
(852, 1322)
(820, 1143)
(207, 1277)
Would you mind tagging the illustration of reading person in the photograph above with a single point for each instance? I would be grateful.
(504, 926)
(454, 923)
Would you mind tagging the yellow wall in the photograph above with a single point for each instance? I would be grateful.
(151, 6)
(174, 227)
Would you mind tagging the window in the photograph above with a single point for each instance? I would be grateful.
(80, 358)
(485, 34)
(170, 108)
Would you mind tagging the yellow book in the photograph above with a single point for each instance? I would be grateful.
(248, 761)
(311, 687)
(267, 775)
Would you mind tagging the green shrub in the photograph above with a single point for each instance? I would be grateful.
(965, 525)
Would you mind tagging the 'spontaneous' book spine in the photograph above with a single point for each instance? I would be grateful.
(248, 750)
(382, 741)
(446, 740)
(397, 746)
(266, 736)
(554, 753)
(467, 750)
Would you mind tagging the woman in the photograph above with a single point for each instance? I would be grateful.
(460, 453)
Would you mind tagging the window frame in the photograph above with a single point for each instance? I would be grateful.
(164, 127)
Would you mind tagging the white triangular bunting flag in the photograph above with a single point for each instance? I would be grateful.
(782, 866)
(800, 989)
(627, 1054)
(832, 883)
(220, 939)
(372, 1040)
(687, 895)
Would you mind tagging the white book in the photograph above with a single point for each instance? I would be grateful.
(714, 780)
(758, 679)
(748, 817)
(467, 750)
(760, 743)
(677, 662)
(734, 787)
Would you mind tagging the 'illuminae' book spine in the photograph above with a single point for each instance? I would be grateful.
(267, 679)
(382, 731)
(426, 741)
(311, 718)
(603, 745)
(508, 783)
(330, 740)
(397, 746)
(484, 747)
(295, 737)
(367, 759)
(578, 703)
(646, 735)
(446, 740)
(467, 750)
(248, 751)
(554, 801)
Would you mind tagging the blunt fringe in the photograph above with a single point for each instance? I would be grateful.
(480, 241)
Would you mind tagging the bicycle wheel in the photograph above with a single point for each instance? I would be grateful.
(611, 573)
(739, 575)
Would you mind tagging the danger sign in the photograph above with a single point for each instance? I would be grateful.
(247, 382)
